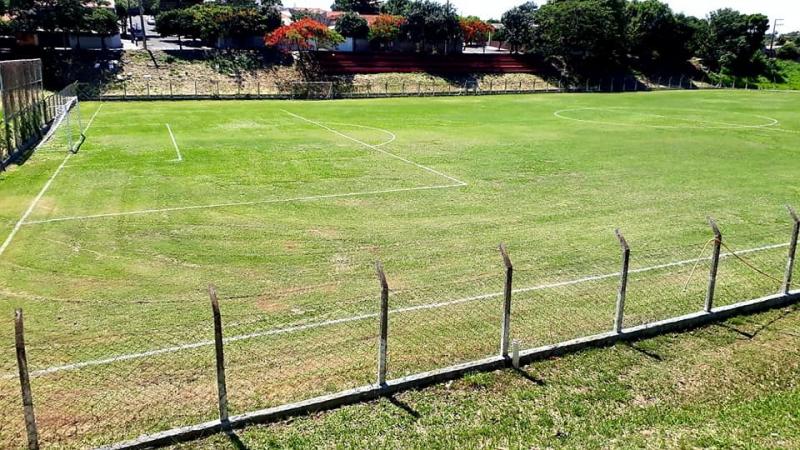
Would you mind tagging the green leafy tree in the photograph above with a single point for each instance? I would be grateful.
(583, 37)
(431, 22)
(789, 50)
(103, 22)
(656, 37)
(395, 7)
(518, 24)
(359, 6)
(178, 22)
(735, 42)
(352, 25)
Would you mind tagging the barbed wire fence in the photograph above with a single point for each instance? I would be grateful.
(76, 386)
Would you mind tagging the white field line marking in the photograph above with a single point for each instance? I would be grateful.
(175, 144)
(392, 136)
(44, 189)
(726, 126)
(296, 328)
(232, 204)
(376, 148)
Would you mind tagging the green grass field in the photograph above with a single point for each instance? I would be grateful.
(285, 207)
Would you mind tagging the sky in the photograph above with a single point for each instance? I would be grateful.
(788, 10)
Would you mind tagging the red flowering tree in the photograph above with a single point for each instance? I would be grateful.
(386, 28)
(303, 35)
(475, 30)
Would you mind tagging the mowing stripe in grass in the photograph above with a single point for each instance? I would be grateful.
(46, 186)
(373, 147)
(172, 136)
(232, 204)
(296, 328)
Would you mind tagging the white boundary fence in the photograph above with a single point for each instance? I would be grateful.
(216, 374)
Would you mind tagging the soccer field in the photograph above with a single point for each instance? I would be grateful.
(285, 207)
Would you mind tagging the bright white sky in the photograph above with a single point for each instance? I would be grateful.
(788, 10)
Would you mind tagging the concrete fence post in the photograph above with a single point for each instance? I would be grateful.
(623, 282)
(383, 339)
(515, 354)
(505, 329)
(712, 277)
(25, 382)
(787, 281)
(222, 390)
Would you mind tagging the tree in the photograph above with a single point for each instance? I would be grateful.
(301, 35)
(789, 50)
(735, 42)
(103, 22)
(177, 22)
(474, 30)
(518, 26)
(583, 37)
(359, 6)
(395, 7)
(352, 25)
(386, 29)
(428, 21)
(655, 36)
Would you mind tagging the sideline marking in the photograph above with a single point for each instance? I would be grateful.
(44, 189)
(376, 148)
(224, 205)
(177, 150)
(726, 126)
(295, 328)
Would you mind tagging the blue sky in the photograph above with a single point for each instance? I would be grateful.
(789, 10)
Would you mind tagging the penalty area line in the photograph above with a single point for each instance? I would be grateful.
(233, 204)
(175, 144)
(356, 318)
(376, 148)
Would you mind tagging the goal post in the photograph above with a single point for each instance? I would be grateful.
(66, 120)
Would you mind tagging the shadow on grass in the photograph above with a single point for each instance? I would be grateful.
(524, 374)
(759, 327)
(404, 406)
(644, 352)
(235, 441)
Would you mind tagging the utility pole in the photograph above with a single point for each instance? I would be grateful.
(774, 35)
(141, 21)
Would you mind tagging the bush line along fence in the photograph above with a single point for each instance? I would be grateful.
(206, 371)
(32, 117)
(145, 89)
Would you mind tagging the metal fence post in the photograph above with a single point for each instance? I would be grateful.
(222, 389)
(787, 283)
(505, 331)
(623, 282)
(712, 277)
(25, 382)
(383, 340)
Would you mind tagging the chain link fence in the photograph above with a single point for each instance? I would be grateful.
(235, 88)
(140, 374)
